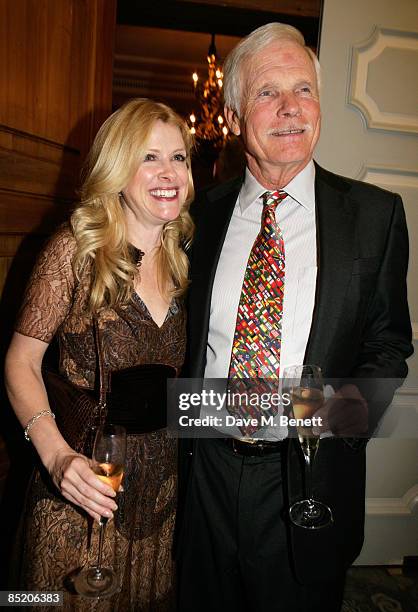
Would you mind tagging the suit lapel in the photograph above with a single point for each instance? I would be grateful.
(335, 239)
(211, 226)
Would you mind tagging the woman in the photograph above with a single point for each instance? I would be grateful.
(120, 259)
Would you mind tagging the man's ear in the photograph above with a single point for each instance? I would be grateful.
(232, 120)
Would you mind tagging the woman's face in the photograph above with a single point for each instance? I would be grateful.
(159, 187)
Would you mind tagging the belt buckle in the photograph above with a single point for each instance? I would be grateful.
(248, 440)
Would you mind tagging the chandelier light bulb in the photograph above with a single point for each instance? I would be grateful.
(192, 130)
(225, 130)
(192, 118)
(220, 119)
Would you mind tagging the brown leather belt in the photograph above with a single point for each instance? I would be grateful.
(253, 448)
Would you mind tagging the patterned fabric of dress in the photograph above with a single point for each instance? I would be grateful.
(57, 537)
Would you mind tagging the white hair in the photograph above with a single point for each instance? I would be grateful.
(255, 42)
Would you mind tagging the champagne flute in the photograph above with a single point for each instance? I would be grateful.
(108, 463)
(307, 394)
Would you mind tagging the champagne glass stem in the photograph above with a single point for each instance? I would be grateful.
(103, 523)
(108, 464)
(308, 479)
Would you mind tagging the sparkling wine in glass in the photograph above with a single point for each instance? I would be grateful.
(307, 394)
(109, 453)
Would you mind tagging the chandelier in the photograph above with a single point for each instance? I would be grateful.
(208, 123)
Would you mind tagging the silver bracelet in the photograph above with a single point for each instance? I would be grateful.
(34, 419)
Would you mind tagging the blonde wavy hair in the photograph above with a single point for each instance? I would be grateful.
(98, 223)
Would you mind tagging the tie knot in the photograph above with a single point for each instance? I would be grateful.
(272, 198)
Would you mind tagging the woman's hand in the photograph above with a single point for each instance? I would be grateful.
(73, 476)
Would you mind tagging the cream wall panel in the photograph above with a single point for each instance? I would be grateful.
(387, 56)
(369, 57)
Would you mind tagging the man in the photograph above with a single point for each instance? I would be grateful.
(338, 253)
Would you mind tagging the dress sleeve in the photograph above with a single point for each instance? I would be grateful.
(49, 294)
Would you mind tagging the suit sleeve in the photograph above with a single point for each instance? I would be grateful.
(381, 364)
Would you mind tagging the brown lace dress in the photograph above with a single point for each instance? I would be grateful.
(138, 542)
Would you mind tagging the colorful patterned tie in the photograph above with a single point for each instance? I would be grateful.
(257, 339)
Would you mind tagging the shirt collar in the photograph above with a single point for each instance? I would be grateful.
(301, 188)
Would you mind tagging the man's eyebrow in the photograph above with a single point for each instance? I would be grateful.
(266, 85)
(306, 81)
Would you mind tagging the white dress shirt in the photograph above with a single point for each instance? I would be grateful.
(295, 216)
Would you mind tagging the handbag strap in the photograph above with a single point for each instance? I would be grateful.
(102, 369)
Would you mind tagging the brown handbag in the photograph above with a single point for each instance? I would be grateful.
(77, 411)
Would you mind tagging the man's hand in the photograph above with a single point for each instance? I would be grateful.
(345, 414)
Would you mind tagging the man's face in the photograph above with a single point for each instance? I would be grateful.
(280, 111)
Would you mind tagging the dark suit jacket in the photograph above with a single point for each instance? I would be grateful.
(360, 329)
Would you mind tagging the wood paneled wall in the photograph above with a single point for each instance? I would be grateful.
(55, 78)
(56, 61)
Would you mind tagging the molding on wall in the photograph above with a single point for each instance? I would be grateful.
(407, 394)
(406, 505)
(31, 196)
(389, 176)
(37, 213)
(407, 399)
(361, 56)
(42, 175)
(26, 137)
